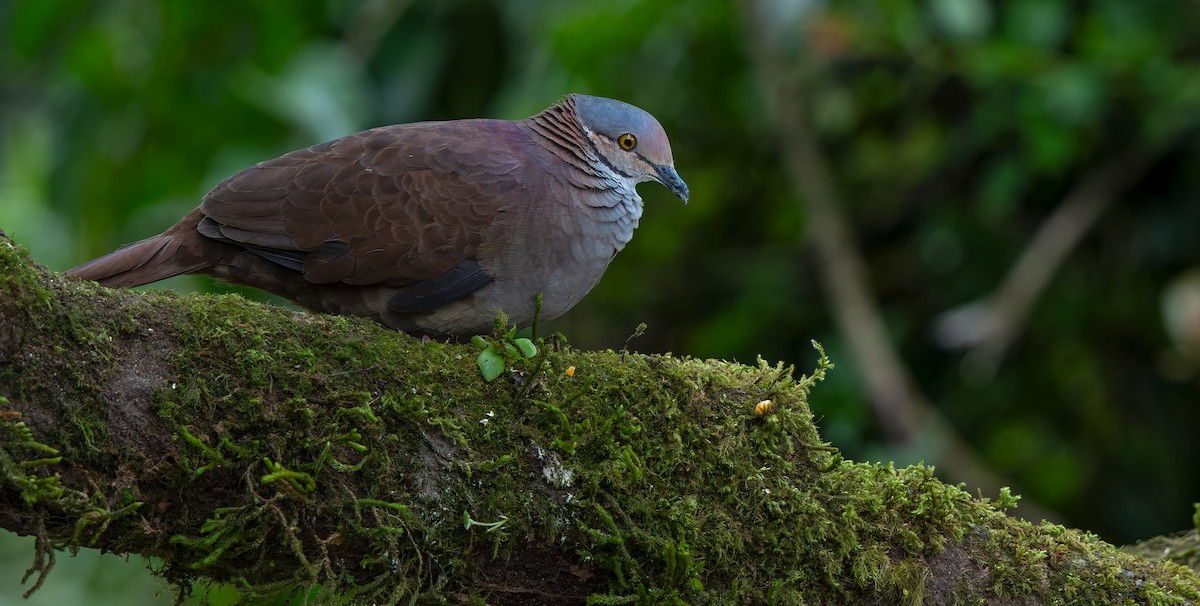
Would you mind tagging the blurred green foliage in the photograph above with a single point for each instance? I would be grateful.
(953, 128)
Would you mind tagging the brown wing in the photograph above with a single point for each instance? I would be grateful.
(393, 206)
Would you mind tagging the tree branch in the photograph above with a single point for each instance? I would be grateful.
(989, 326)
(278, 450)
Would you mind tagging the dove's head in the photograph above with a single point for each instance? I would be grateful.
(630, 141)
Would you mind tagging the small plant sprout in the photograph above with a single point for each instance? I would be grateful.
(491, 361)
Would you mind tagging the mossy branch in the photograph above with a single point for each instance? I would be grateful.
(284, 452)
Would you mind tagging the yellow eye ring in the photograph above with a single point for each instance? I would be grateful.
(627, 141)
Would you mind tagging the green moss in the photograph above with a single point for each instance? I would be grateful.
(24, 461)
(31, 468)
(24, 287)
(905, 581)
(628, 428)
(662, 474)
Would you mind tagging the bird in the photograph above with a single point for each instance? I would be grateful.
(428, 228)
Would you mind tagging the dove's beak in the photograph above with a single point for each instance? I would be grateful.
(669, 178)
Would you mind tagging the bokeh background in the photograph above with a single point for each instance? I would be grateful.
(986, 211)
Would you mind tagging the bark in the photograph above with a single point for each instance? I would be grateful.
(281, 451)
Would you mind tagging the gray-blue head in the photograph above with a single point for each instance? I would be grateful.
(630, 140)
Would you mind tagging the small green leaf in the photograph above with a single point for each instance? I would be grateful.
(491, 364)
(479, 342)
(528, 349)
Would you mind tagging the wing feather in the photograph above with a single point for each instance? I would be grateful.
(398, 205)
